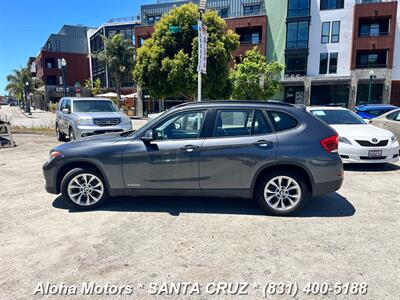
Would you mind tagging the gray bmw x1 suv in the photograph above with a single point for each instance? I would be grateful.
(277, 153)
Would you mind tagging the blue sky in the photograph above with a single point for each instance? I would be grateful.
(26, 24)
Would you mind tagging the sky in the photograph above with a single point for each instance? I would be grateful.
(26, 24)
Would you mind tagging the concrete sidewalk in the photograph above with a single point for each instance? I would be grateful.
(18, 118)
(40, 118)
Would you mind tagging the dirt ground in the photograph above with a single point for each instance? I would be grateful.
(350, 236)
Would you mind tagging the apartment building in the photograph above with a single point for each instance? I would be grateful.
(124, 26)
(69, 43)
(245, 17)
(334, 48)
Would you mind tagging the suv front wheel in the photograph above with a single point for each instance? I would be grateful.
(84, 189)
(282, 193)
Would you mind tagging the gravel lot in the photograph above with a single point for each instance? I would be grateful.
(350, 236)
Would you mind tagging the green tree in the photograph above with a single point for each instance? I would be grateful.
(117, 56)
(21, 83)
(93, 86)
(166, 65)
(255, 79)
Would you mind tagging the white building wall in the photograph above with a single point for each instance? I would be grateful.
(345, 16)
(396, 57)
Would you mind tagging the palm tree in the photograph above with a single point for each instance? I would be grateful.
(21, 84)
(117, 56)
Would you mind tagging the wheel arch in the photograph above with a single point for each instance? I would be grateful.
(286, 166)
(79, 164)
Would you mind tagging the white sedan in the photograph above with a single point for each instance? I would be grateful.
(359, 142)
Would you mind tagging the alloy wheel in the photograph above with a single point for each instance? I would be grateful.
(85, 189)
(282, 193)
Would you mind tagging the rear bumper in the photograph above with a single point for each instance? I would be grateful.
(324, 188)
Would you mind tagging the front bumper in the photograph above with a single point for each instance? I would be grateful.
(359, 154)
(89, 130)
(50, 172)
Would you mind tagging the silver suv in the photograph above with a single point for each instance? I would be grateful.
(82, 117)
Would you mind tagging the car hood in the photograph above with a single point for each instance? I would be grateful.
(365, 130)
(100, 115)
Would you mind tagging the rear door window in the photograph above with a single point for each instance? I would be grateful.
(233, 123)
(394, 116)
(282, 121)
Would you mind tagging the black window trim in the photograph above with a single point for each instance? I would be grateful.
(285, 112)
(203, 130)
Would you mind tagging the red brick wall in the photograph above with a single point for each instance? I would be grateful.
(77, 66)
(372, 10)
(395, 96)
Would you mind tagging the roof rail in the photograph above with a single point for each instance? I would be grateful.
(273, 102)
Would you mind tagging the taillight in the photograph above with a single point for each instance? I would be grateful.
(331, 144)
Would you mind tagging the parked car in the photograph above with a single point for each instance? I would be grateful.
(12, 102)
(359, 142)
(389, 121)
(278, 153)
(82, 117)
(370, 111)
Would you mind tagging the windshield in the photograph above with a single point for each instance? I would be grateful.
(338, 116)
(94, 106)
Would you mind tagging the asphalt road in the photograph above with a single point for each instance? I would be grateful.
(349, 236)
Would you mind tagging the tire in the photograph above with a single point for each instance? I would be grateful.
(81, 194)
(60, 135)
(282, 201)
(71, 134)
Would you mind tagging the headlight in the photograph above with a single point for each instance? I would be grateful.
(126, 120)
(54, 154)
(344, 140)
(85, 121)
(393, 139)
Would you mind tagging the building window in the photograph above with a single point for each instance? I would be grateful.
(50, 62)
(222, 12)
(60, 80)
(376, 27)
(296, 64)
(325, 32)
(299, 8)
(297, 35)
(51, 80)
(363, 92)
(323, 63)
(333, 61)
(249, 10)
(249, 35)
(371, 59)
(153, 19)
(49, 46)
(335, 32)
(331, 4)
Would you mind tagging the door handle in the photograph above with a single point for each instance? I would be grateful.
(263, 143)
(188, 148)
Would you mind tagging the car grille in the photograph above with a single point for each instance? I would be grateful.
(369, 144)
(107, 121)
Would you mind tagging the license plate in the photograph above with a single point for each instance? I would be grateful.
(375, 153)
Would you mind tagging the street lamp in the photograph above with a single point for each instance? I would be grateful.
(64, 66)
(372, 76)
(27, 104)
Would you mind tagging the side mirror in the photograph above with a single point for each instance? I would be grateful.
(65, 111)
(148, 136)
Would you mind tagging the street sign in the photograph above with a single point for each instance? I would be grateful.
(175, 29)
(202, 61)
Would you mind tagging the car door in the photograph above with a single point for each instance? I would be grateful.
(392, 123)
(242, 141)
(60, 115)
(171, 160)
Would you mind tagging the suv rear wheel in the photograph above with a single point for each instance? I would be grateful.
(84, 189)
(282, 193)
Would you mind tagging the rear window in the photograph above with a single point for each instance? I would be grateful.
(282, 121)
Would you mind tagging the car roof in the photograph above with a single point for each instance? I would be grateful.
(232, 103)
(376, 106)
(326, 108)
(86, 98)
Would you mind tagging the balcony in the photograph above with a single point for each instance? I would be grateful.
(373, 1)
(373, 27)
(371, 59)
